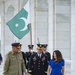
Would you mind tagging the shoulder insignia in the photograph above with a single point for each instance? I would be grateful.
(43, 58)
(34, 58)
(30, 71)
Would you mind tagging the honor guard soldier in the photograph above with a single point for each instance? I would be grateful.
(38, 63)
(14, 63)
(29, 54)
(46, 52)
(1, 59)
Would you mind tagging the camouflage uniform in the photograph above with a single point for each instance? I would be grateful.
(14, 64)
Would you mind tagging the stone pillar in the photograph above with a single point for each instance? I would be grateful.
(3, 30)
(42, 21)
(50, 26)
(32, 19)
(10, 12)
(62, 31)
(72, 37)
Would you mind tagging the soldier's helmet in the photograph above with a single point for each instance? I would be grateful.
(45, 45)
(17, 45)
(30, 46)
(39, 46)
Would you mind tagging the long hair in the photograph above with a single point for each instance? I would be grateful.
(58, 56)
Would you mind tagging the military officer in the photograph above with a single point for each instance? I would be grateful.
(29, 54)
(14, 63)
(38, 63)
(46, 52)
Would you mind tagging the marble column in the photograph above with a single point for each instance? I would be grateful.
(72, 37)
(50, 26)
(62, 31)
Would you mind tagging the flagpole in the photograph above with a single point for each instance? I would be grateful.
(30, 25)
(30, 34)
(18, 11)
(3, 28)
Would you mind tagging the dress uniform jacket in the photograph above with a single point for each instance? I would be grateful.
(24, 58)
(1, 58)
(38, 65)
(14, 64)
(28, 55)
(48, 55)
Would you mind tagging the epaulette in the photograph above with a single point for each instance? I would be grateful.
(30, 71)
(46, 72)
(9, 52)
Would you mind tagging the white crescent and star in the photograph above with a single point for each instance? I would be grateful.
(25, 25)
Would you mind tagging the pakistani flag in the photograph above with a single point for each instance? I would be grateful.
(20, 24)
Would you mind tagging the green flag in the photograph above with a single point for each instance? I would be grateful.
(20, 24)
